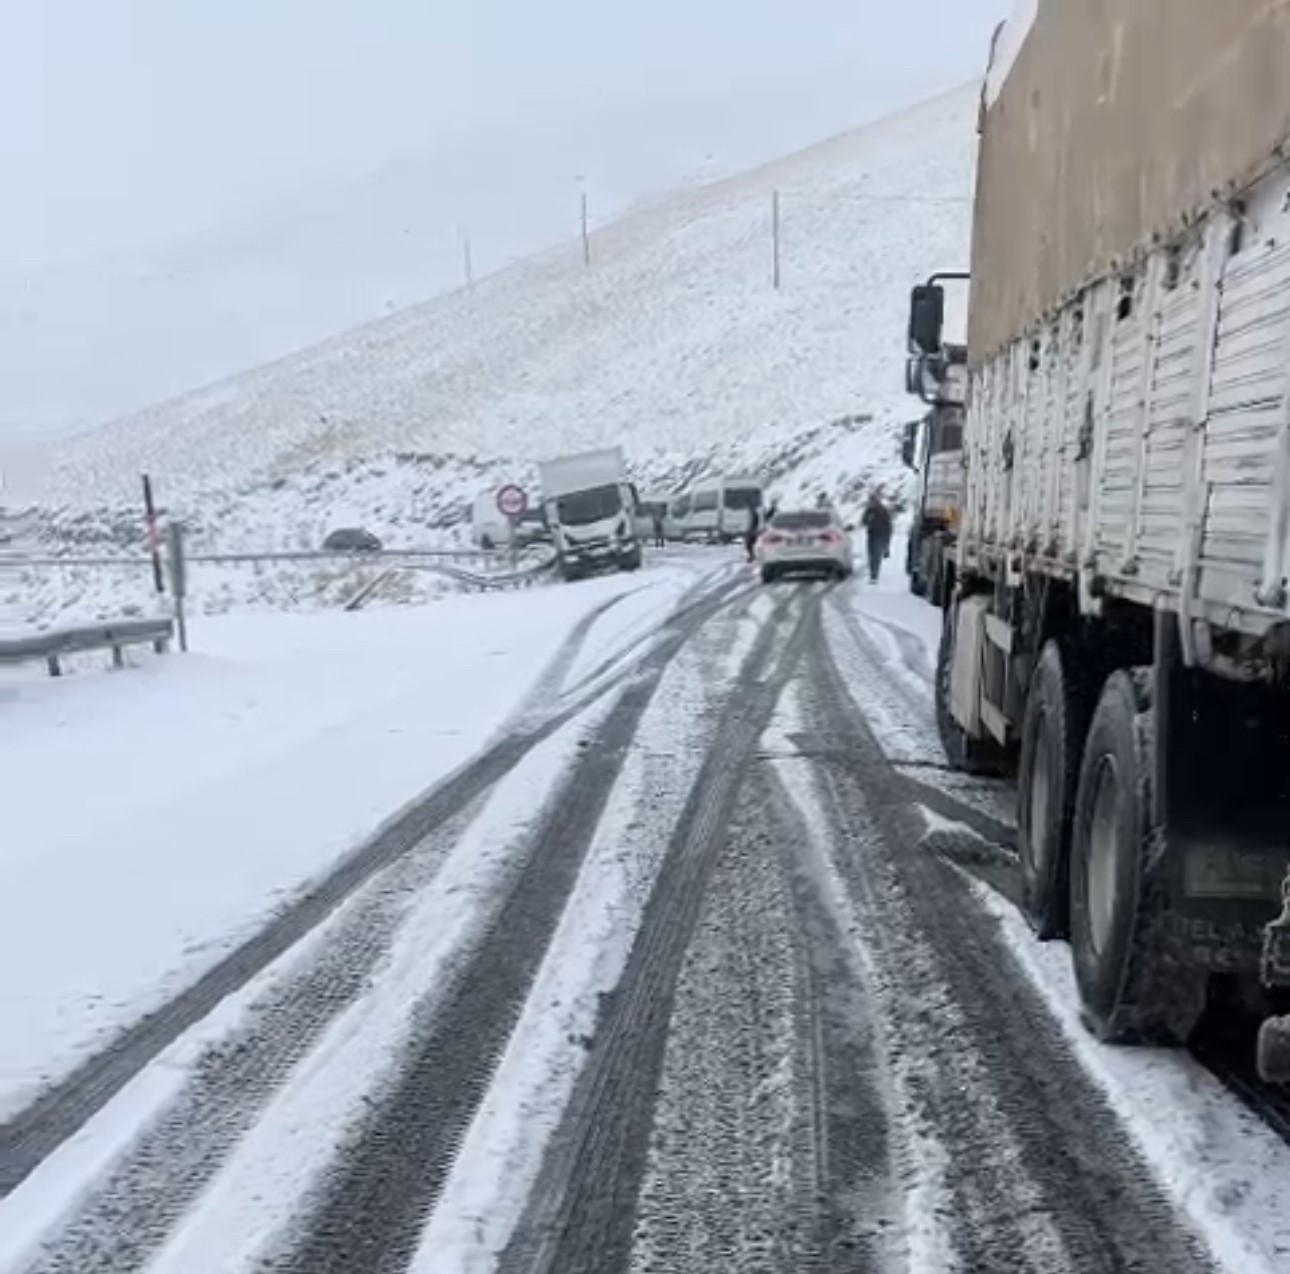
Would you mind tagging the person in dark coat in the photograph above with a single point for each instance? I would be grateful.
(877, 526)
(750, 534)
(660, 539)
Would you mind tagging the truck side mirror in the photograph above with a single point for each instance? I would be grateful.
(909, 446)
(926, 318)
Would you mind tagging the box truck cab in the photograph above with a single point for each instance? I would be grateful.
(590, 509)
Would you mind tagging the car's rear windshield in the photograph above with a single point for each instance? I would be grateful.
(802, 521)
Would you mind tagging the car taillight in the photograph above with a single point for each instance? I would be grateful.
(830, 537)
(772, 537)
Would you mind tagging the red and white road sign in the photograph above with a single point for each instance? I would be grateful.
(512, 502)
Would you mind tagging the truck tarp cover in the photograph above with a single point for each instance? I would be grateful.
(1117, 122)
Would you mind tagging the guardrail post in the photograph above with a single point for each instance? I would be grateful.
(178, 580)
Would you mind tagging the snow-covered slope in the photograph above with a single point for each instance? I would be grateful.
(673, 342)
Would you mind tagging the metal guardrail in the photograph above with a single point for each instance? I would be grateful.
(142, 560)
(51, 646)
(521, 577)
(502, 568)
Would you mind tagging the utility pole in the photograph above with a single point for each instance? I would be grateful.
(774, 240)
(467, 262)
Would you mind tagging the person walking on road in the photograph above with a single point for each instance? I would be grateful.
(660, 540)
(877, 525)
(750, 534)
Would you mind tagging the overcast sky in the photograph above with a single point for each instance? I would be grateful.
(127, 122)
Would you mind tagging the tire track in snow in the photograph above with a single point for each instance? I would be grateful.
(854, 1108)
(369, 1212)
(130, 1214)
(734, 1095)
(501, 1155)
(1041, 1175)
(29, 1137)
(901, 713)
(580, 1215)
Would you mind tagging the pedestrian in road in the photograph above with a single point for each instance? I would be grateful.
(877, 526)
(750, 534)
(660, 540)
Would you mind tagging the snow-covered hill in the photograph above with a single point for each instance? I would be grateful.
(673, 342)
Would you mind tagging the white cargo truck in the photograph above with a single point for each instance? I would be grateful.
(1117, 621)
(590, 510)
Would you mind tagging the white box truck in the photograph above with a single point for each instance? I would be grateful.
(591, 512)
(1117, 616)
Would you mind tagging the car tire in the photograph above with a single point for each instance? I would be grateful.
(769, 575)
(962, 751)
(1133, 986)
(1058, 709)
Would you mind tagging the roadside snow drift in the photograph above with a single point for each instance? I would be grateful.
(154, 818)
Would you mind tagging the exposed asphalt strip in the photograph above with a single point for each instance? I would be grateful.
(369, 1212)
(35, 1132)
(769, 1151)
(580, 1215)
(857, 1190)
(735, 1147)
(1042, 1176)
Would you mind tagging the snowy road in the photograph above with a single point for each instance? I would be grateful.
(704, 963)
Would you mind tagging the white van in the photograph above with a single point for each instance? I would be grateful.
(647, 507)
(716, 509)
(488, 528)
(678, 516)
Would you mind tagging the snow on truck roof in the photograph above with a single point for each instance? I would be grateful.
(1008, 40)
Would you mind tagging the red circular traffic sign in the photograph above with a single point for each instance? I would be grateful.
(512, 501)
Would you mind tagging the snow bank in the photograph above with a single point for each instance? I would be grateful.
(154, 818)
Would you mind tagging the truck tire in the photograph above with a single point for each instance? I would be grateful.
(972, 756)
(914, 567)
(1274, 1051)
(1053, 730)
(1134, 990)
(935, 571)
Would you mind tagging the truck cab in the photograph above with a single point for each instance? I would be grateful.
(932, 446)
(590, 508)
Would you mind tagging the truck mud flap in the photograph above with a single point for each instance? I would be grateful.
(1224, 809)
